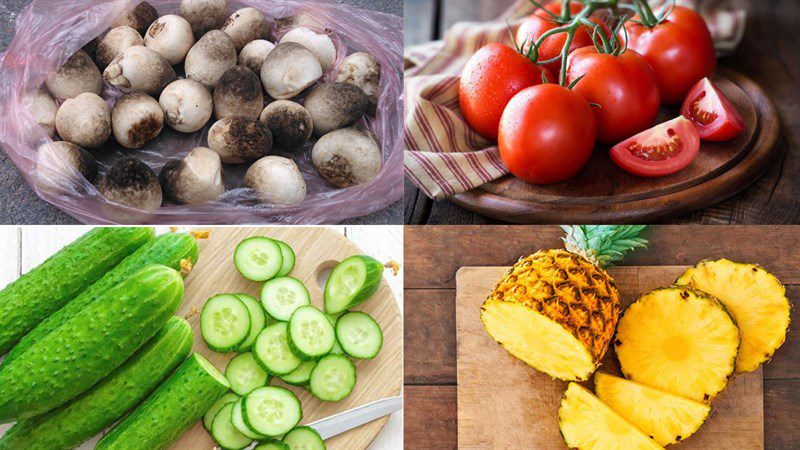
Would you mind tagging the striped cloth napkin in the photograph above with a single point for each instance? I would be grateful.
(443, 156)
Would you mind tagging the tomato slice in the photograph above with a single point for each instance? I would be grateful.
(714, 116)
(659, 151)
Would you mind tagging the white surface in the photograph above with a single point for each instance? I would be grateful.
(23, 248)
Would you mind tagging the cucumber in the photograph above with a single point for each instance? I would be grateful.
(272, 411)
(333, 378)
(225, 433)
(272, 444)
(359, 335)
(301, 375)
(288, 258)
(171, 410)
(305, 438)
(69, 425)
(258, 320)
(258, 258)
(237, 419)
(281, 296)
(244, 374)
(271, 350)
(311, 335)
(224, 322)
(90, 345)
(52, 284)
(352, 282)
(168, 249)
(208, 418)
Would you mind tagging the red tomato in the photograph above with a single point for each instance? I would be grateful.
(541, 22)
(680, 50)
(659, 151)
(493, 75)
(547, 134)
(714, 116)
(624, 86)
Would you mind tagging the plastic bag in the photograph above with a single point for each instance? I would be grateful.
(50, 31)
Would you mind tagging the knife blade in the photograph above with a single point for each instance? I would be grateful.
(352, 418)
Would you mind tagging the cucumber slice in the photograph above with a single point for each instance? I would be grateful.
(271, 350)
(272, 411)
(288, 258)
(244, 374)
(208, 418)
(258, 258)
(311, 335)
(281, 296)
(301, 375)
(272, 444)
(305, 438)
(225, 434)
(333, 378)
(359, 335)
(237, 419)
(258, 320)
(224, 323)
(352, 282)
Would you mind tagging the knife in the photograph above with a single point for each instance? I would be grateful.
(352, 418)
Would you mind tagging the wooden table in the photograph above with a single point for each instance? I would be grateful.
(436, 253)
(768, 54)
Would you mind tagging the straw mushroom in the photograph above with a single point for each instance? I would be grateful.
(136, 119)
(210, 57)
(254, 54)
(115, 42)
(138, 18)
(276, 180)
(238, 94)
(61, 165)
(291, 124)
(43, 108)
(288, 70)
(238, 140)
(347, 157)
(195, 179)
(204, 15)
(140, 69)
(171, 36)
(362, 70)
(78, 75)
(187, 105)
(335, 105)
(84, 120)
(320, 45)
(246, 25)
(131, 183)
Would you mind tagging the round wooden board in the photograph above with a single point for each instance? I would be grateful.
(318, 250)
(602, 193)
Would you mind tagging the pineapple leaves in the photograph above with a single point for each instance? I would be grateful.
(603, 244)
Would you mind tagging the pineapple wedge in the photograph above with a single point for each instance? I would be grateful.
(679, 340)
(754, 297)
(667, 418)
(589, 424)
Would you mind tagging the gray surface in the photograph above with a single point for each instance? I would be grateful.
(20, 205)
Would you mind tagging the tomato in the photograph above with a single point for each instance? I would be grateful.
(541, 22)
(493, 75)
(659, 151)
(680, 50)
(547, 134)
(624, 86)
(714, 116)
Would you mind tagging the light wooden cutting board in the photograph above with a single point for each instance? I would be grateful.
(318, 250)
(505, 404)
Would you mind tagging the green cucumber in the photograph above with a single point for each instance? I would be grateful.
(87, 347)
(281, 296)
(311, 335)
(272, 351)
(237, 419)
(301, 375)
(258, 258)
(288, 258)
(359, 335)
(53, 283)
(223, 431)
(208, 418)
(171, 410)
(352, 282)
(272, 444)
(224, 323)
(244, 374)
(168, 249)
(71, 424)
(305, 438)
(258, 320)
(333, 378)
(272, 411)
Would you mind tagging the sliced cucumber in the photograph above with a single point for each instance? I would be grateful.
(258, 258)
(208, 418)
(359, 335)
(224, 323)
(352, 282)
(305, 438)
(244, 374)
(333, 378)
(311, 335)
(237, 419)
(272, 444)
(225, 434)
(281, 296)
(288, 258)
(271, 350)
(272, 411)
(258, 320)
(301, 375)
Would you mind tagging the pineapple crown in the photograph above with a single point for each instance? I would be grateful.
(603, 245)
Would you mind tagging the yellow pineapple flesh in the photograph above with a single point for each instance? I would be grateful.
(667, 418)
(587, 423)
(679, 340)
(755, 299)
(555, 311)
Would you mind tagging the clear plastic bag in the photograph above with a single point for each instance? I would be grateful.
(48, 32)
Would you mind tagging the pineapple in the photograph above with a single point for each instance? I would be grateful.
(679, 340)
(754, 297)
(589, 424)
(666, 418)
(557, 310)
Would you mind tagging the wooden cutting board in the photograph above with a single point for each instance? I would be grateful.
(318, 250)
(503, 403)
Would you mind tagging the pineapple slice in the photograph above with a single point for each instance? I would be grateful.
(589, 424)
(754, 297)
(679, 340)
(667, 418)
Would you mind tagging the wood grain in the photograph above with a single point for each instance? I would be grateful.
(437, 364)
(430, 418)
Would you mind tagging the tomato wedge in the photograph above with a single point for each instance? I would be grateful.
(662, 150)
(714, 116)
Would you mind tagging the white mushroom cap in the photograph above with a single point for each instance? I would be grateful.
(290, 123)
(246, 25)
(138, 18)
(130, 182)
(115, 42)
(238, 94)
(140, 69)
(276, 180)
(254, 54)
(362, 70)
(171, 36)
(204, 15)
(187, 104)
(320, 45)
(288, 70)
(78, 75)
(61, 165)
(238, 140)
(335, 105)
(43, 108)
(347, 157)
(136, 119)
(84, 120)
(195, 179)
(210, 57)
